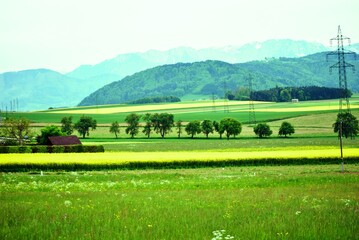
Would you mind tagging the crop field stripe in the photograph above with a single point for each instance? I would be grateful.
(11, 162)
(156, 107)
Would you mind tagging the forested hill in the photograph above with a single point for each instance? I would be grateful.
(202, 79)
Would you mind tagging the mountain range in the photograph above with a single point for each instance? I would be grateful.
(42, 88)
(208, 78)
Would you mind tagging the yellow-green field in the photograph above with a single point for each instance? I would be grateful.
(200, 106)
(152, 107)
(124, 157)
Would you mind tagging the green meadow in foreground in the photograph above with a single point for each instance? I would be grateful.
(287, 202)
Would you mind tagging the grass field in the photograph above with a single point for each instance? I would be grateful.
(287, 202)
(47, 199)
(194, 111)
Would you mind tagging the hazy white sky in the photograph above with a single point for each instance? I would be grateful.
(63, 34)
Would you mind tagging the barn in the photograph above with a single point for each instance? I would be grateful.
(64, 140)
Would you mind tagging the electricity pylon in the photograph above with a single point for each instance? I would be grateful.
(252, 115)
(225, 99)
(342, 65)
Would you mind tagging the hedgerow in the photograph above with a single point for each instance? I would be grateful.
(131, 165)
(52, 149)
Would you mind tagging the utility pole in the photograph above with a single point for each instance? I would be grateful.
(213, 103)
(225, 99)
(342, 65)
(252, 115)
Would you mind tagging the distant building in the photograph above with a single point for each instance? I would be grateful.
(294, 100)
(64, 140)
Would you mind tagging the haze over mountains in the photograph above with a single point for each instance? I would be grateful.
(43, 88)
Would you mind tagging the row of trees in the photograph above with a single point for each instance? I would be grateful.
(18, 130)
(156, 100)
(286, 94)
(162, 123)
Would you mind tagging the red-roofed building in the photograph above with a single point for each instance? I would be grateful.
(64, 140)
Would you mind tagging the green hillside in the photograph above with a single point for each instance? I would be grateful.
(202, 79)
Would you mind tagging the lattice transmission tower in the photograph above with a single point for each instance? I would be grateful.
(342, 65)
(225, 98)
(251, 112)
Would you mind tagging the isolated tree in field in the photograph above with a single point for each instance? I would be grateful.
(66, 125)
(231, 127)
(286, 129)
(115, 128)
(162, 123)
(16, 128)
(262, 130)
(133, 121)
(193, 127)
(179, 127)
(49, 131)
(350, 125)
(207, 127)
(147, 129)
(218, 128)
(84, 125)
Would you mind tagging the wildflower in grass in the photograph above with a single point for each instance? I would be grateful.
(220, 234)
(68, 203)
(346, 201)
(282, 235)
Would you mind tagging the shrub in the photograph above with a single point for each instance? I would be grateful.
(52, 149)
(47, 132)
(4, 149)
(39, 149)
(24, 149)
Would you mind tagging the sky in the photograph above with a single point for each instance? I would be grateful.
(64, 34)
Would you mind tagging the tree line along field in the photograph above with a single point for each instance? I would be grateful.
(261, 201)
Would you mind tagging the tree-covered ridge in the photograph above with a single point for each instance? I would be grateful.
(208, 78)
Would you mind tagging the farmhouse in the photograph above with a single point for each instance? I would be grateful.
(64, 140)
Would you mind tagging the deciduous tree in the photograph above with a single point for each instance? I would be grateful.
(147, 129)
(286, 129)
(133, 124)
(218, 128)
(179, 127)
(262, 130)
(349, 123)
(66, 125)
(84, 125)
(162, 123)
(115, 128)
(16, 128)
(193, 127)
(231, 127)
(207, 127)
